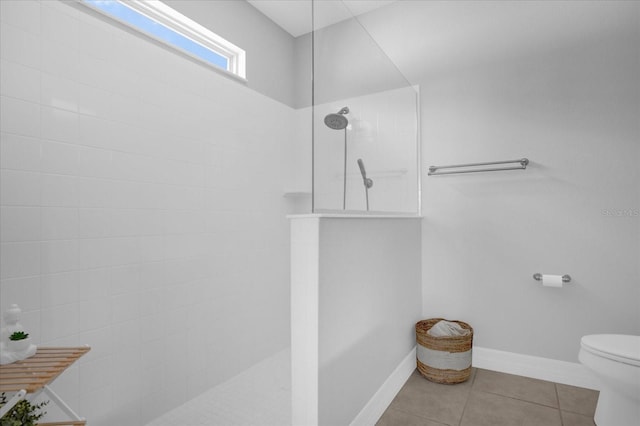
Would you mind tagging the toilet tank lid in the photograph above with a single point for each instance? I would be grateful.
(617, 345)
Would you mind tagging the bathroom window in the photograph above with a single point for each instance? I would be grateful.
(170, 27)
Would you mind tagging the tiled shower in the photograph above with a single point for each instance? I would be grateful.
(142, 212)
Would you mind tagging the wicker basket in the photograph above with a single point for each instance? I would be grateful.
(444, 359)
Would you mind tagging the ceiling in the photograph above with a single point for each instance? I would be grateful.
(433, 38)
(294, 16)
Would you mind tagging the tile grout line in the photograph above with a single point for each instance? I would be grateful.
(555, 387)
(558, 409)
(418, 415)
(521, 400)
(466, 401)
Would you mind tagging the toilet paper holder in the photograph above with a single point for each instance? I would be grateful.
(565, 278)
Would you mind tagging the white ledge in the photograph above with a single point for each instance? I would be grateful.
(356, 215)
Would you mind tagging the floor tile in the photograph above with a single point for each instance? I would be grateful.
(519, 387)
(488, 409)
(433, 401)
(577, 400)
(393, 417)
(573, 419)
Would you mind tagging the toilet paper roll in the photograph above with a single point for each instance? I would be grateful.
(552, 280)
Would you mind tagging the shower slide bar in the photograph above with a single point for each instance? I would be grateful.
(470, 168)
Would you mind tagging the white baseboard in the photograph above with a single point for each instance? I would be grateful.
(568, 373)
(379, 402)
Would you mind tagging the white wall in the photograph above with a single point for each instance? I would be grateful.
(572, 112)
(368, 305)
(556, 82)
(347, 63)
(142, 212)
(355, 299)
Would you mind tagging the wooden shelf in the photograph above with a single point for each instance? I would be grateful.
(35, 373)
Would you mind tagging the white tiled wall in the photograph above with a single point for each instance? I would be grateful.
(142, 211)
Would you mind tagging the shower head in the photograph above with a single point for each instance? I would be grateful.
(337, 121)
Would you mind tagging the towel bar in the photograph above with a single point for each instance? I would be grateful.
(435, 170)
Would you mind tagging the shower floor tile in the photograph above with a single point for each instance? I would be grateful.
(258, 396)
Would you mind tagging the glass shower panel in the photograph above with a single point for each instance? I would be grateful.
(371, 164)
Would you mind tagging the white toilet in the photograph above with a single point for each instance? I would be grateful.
(615, 360)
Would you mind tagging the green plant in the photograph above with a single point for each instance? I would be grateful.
(23, 413)
(18, 335)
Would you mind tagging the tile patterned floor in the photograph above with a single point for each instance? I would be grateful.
(490, 398)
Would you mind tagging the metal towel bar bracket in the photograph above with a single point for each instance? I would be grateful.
(436, 170)
(565, 278)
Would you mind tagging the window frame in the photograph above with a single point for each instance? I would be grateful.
(175, 21)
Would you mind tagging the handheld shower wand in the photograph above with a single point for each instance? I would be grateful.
(368, 183)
